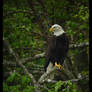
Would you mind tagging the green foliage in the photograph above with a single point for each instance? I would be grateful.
(25, 81)
(64, 87)
(14, 88)
(17, 82)
(5, 87)
(69, 87)
(78, 27)
(29, 89)
(23, 30)
(14, 77)
(58, 85)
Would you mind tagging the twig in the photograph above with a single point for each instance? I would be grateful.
(33, 58)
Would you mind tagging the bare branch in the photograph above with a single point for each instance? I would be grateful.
(5, 63)
(72, 46)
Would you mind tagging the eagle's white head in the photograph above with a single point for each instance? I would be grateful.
(57, 30)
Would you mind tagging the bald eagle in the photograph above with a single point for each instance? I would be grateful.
(57, 48)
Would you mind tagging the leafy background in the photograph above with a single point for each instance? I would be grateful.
(25, 27)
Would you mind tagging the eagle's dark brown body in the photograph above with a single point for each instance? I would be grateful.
(56, 50)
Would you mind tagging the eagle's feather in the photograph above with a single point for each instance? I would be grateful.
(56, 50)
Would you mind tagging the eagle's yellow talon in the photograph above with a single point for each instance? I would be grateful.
(58, 65)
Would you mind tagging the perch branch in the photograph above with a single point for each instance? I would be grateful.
(72, 46)
(41, 80)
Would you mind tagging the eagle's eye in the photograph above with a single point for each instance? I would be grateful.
(54, 27)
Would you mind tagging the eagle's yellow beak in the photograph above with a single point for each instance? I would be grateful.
(51, 29)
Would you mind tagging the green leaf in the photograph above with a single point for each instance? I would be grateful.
(25, 80)
(5, 87)
(58, 85)
(29, 89)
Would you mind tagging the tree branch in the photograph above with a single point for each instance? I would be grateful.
(72, 46)
(72, 80)
(42, 78)
(33, 58)
(10, 63)
(18, 61)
